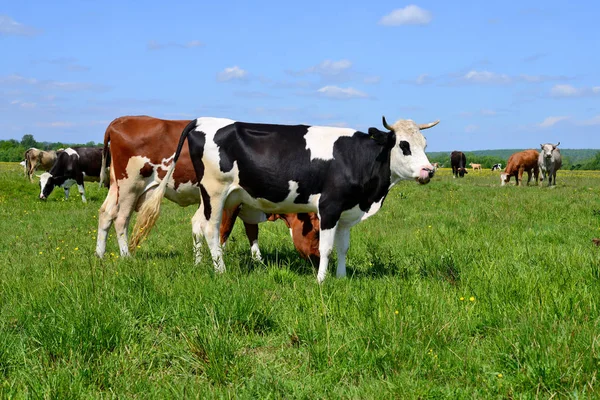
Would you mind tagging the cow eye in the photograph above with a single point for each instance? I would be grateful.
(405, 147)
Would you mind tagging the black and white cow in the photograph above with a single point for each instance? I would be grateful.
(496, 167)
(342, 174)
(72, 166)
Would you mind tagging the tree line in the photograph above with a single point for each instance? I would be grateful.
(13, 150)
(582, 159)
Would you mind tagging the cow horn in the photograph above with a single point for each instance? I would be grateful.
(557, 144)
(39, 176)
(429, 125)
(385, 124)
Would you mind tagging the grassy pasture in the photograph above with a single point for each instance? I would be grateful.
(457, 289)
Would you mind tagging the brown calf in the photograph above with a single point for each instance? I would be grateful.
(522, 161)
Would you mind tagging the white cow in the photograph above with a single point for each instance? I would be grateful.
(549, 162)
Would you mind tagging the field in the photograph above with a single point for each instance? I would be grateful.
(457, 289)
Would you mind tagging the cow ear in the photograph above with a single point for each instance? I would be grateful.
(379, 137)
(542, 146)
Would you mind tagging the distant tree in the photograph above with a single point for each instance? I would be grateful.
(28, 141)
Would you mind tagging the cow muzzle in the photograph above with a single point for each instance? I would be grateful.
(425, 175)
(42, 197)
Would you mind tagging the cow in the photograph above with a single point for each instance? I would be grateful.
(38, 159)
(303, 225)
(475, 166)
(549, 162)
(458, 161)
(142, 148)
(435, 166)
(496, 167)
(341, 174)
(522, 161)
(72, 166)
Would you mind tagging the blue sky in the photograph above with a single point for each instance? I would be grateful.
(508, 74)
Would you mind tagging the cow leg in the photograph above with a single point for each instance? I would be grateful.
(127, 201)
(81, 191)
(207, 223)
(107, 214)
(67, 186)
(252, 217)
(198, 223)
(342, 243)
(252, 234)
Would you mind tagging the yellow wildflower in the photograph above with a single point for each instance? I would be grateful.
(471, 298)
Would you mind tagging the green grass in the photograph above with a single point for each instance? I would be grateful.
(402, 325)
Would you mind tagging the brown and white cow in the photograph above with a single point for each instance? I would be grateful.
(38, 159)
(142, 148)
(518, 163)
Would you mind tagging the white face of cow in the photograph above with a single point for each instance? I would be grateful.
(408, 158)
(44, 179)
(547, 150)
(503, 178)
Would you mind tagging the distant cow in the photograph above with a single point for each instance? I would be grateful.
(72, 166)
(496, 167)
(38, 159)
(435, 166)
(458, 161)
(522, 161)
(549, 162)
(475, 166)
(142, 148)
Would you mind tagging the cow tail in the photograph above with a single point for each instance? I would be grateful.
(103, 167)
(150, 210)
(27, 164)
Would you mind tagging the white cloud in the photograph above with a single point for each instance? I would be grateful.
(232, 73)
(336, 92)
(572, 91)
(154, 45)
(23, 104)
(486, 77)
(551, 121)
(488, 113)
(471, 128)
(565, 91)
(327, 68)
(409, 15)
(9, 26)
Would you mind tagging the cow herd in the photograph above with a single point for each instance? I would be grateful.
(548, 161)
(320, 181)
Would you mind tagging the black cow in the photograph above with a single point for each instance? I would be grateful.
(72, 166)
(458, 161)
(341, 173)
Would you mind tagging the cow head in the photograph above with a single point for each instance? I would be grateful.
(504, 178)
(548, 149)
(462, 172)
(47, 183)
(408, 159)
